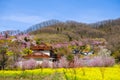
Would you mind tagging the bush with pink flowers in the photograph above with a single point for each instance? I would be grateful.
(100, 61)
(26, 64)
(96, 61)
(46, 64)
(63, 63)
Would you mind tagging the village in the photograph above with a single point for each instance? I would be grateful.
(53, 53)
(59, 39)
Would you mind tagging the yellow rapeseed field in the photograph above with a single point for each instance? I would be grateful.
(84, 73)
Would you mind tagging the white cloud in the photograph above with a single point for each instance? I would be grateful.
(23, 18)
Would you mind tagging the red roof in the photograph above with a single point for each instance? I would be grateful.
(41, 47)
(37, 55)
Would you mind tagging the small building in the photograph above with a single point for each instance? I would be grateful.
(42, 52)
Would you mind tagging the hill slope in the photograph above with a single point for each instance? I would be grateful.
(58, 31)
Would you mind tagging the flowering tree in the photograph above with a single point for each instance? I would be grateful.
(3, 57)
(28, 64)
(46, 64)
(63, 63)
(104, 52)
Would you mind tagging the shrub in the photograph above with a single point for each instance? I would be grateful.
(63, 63)
(46, 64)
(116, 54)
(96, 61)
(100, 61)
(70, 57)
(78, 62)
(55, 64)
(26, 64)
(29, 64)
(108, 61)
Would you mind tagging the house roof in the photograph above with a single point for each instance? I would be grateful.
(42, 46)
(37, 55)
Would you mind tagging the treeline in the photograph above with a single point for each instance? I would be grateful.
(10, 32)
(42, 24)
(70, 28)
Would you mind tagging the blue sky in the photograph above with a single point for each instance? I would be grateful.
(21, 14)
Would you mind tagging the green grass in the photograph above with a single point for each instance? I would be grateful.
(51, 38)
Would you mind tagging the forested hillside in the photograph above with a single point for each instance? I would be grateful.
(72, 30)
(55, 30)
(65, 38)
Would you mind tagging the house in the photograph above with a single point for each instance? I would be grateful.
(42, 52)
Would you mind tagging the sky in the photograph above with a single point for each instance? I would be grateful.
(21, 14)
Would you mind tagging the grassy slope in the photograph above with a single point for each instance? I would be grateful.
(66, 32)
